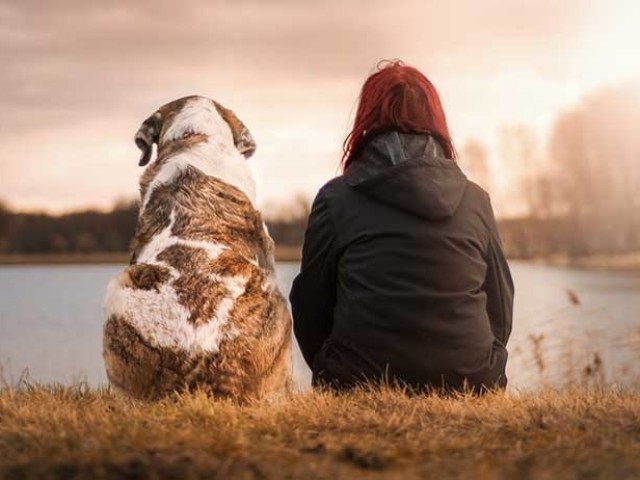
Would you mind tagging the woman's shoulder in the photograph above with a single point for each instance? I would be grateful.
(478, 204)
(332, 189)
(334, 183)
(477, 195)
(476, 190)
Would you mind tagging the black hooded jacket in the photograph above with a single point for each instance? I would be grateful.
(403, 275)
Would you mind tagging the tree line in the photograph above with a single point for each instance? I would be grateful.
(79, 232)
(95, 231)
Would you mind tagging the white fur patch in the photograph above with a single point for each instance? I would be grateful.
(163, 322)
(165, 239)
(217, 157)
(158, 315)
(199, 115)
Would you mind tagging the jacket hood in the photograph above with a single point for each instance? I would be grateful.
(408, 171)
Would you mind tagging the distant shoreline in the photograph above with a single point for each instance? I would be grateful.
(283, 254)
(614, 262)
(620, 262)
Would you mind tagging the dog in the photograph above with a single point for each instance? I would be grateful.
(198, 307)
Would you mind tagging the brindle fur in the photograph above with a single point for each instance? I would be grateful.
(254, 358)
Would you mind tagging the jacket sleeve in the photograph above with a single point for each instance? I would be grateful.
(498, 286)
(313, 292)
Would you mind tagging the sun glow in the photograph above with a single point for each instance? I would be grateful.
(613, 39)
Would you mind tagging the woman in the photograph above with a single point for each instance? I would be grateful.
(403, 277)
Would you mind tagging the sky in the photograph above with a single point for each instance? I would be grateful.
(79, 76)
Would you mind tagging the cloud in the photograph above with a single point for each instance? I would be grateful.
(70, 57)
(67, 58)
(76, 69)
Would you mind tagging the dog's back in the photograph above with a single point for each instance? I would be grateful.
(199, 306)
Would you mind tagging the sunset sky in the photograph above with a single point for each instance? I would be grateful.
(79, 76)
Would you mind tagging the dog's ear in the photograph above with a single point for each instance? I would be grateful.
(146, 136)
(242, 137)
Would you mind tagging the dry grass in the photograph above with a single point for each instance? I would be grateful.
(57, 432)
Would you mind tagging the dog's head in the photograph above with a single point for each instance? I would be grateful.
(192, 117)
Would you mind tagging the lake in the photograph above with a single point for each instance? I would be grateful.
(571, 327)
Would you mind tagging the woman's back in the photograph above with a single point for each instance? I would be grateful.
(410, 241)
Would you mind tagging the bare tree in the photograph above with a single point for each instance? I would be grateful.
(474, 161)
(520, 150)
(596, 148)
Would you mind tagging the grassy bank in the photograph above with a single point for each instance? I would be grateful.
(49, 432)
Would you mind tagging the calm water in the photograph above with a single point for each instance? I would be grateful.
(51, 321)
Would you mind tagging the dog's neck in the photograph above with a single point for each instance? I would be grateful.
(211, 156)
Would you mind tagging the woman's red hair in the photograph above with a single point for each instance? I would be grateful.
(397, 97)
